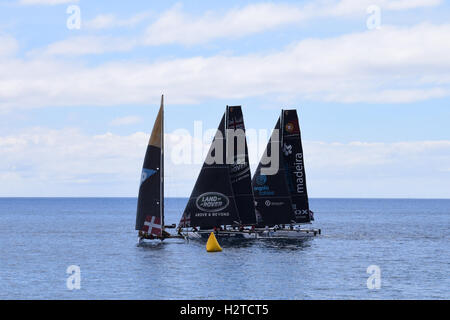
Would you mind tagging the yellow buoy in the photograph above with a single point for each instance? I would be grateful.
(212, 245)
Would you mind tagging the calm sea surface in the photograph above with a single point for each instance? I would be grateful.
(40, 238)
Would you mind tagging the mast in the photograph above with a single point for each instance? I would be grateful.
(281, 128)
(161, 196)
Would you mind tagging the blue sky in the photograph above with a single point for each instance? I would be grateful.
(77, 105)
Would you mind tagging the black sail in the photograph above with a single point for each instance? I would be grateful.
(294, 164)
(150, 214)
(270, 190)
(240, 169)
(212, 200)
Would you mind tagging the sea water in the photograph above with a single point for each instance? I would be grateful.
(85, 248)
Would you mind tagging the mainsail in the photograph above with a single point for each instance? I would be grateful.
(281, 198)
(272, 197)
(295, 166)
(222, 194)
(150, 208)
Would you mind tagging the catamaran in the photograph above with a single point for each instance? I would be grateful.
(222, 199)
(150, 207)
(225, 199)
(281, 197)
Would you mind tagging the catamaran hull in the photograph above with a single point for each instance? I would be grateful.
(288, 234)
(143, 242)
(220, 235)
(259, 234)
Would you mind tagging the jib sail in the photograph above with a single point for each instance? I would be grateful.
(150, 208)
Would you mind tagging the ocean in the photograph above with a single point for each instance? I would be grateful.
(406, 242)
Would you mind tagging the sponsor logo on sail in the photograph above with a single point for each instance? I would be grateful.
(261, 179)
(261, 188)
(269, 203)
(299, 176)
(301, 213)
(211, 214)
(212, 202)
(239, 168)
(287, 149)
(290, 127)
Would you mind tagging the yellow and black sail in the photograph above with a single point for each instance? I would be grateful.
(150, 208)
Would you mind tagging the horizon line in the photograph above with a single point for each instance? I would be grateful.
(135, 197)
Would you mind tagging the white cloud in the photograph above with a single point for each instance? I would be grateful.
(82, 45)
(46, 2)
(62, 159)
(66, 162)
(106, 21)
(413, 169)
(101, 21)
(175, 26)
(69, 162)
(125, 121)
(354, 155)
(358, 7)
(8, 45)
(408, 4)
(394, 64)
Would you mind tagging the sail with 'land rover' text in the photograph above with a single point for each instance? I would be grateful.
(281, 196)
(222, 194)
(150, 208)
